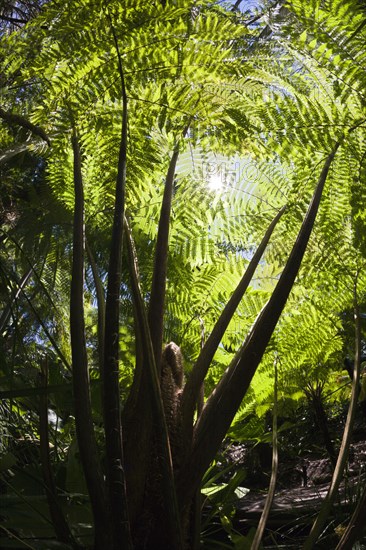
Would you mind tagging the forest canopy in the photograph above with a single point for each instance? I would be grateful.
(182, 227)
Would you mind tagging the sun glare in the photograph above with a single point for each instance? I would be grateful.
(215, 182)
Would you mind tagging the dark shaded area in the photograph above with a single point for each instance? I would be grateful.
(305, 472)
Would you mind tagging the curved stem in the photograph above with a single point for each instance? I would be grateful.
(199, 371)
(225, 400)
(272, 484)
(100, 302)
(115, 472)
(158, 286)
(325, 510)
(83, 413)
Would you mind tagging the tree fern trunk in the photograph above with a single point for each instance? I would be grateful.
(158, 287)
(115, 468)
(100, 302)
(172, 525)
(139, 425)
(115, 472)
(83, 413)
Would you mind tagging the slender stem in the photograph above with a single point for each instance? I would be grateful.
(158, 287)
(83, 413)
(325, 510)
(100, 302)
(225, 400)
(356, 526)
(272, 484)
(199, 371)
(115, 473)
(12, 118)
(7, 310)
(197, 499)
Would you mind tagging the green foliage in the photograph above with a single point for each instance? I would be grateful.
(271, 109)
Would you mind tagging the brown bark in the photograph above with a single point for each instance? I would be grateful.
(80, 375)
(138, 424)
(158, 286)
(199, 371)
(115, 468)
(168, 509)
(18, 120)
